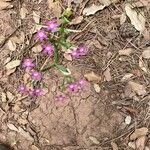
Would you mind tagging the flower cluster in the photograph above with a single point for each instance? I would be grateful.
(35, 75)
(81, 50)
(51, 45)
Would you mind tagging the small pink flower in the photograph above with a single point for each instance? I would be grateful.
(60, 98)
(72, 87)
(82, 49)
(22, 89)
(35, 92)
(74, 53)
(41, 35)
(52, 24)
(28, 63)
(35, 75)
(48, 49)
(38, 91)
(81, 83)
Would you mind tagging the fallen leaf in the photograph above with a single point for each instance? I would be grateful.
(8, 59)
(137, 88)
(33, 147)
(97, 88)
(5, 5)
(137, 18)
(76, 20)
(126, 51)
(10, 96)
(11, 45)
(23, 12)
(128, 120)
(107, 74)
(13, 64)
(3, 97)
(68, 56)
(36, 17)
(142, 65)
(114, 146)
(132, 145)
(126, 77)
(123, 18)
(94, 140)
(37, 49)
(91, 10)
(138, 133)
(92, 77)
(10, 71)
(55, 7)
(140, 143)
(146, 53)
(12, 127)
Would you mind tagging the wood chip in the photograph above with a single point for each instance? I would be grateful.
(97, 88)
(13, 64)
(126, 52)
(146, 53)
(94, 140)
(107, 74)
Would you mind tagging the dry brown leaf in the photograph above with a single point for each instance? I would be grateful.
(10, 96)
(91, 10)
(36, 17)
(12, 127)
(142, 65)
(114, 146)
(138, 133)
(68, 56)
(97, 88)
(5, 5)
(3, 97)
(10, 71)
(140, 143)
(33, 147)
(55, 7)
(23, 12)
(137, 18)
(8, 59)
(25, 134)
(126, 77)
(126, 52)
(132, 145)
(123, 18)
(146, 53)
(11, 45)
(137, 88)
(107, 74)
(37, 49)
(94, 140)
(76, 20)
(92, 77)
(13, 64)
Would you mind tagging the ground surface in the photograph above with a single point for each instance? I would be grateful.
(88, 120)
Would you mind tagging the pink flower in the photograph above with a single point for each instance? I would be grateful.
(52, 24)
(35, 75)
(79, 51)
(41, 35)
(38, 91)
(81, 83)
(60, 98)
(48, 49)
(72, 87)
(28, 63)
(82, 49)
(35, 92)
(22, 89)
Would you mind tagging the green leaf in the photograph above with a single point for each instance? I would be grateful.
(67, 12)
(47, 67)
(64, 70)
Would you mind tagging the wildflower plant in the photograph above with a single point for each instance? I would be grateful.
(52, 37)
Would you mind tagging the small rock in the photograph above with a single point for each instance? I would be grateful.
(128, 120)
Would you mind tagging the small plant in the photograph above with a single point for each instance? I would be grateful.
(53, 38)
